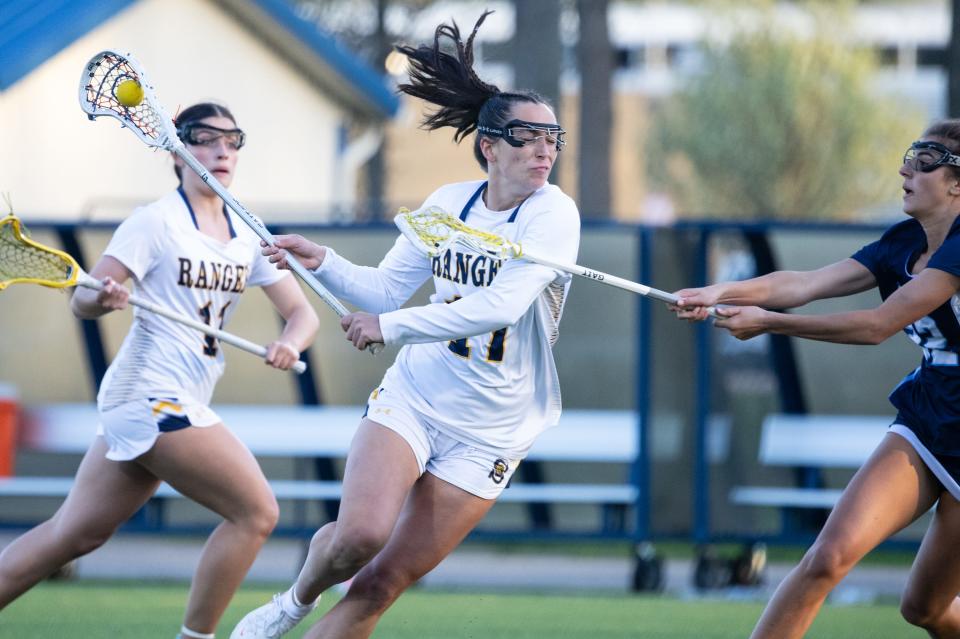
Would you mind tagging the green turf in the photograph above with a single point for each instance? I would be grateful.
(147, 611)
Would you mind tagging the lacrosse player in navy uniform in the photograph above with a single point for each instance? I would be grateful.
(185, 252)
(475, 381)
(916, 267)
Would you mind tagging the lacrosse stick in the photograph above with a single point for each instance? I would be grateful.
(433, 231)
(23, 260)
(102, 76)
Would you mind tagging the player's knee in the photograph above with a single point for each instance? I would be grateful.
(380, 585)
(825, 561)
(321, 539)
(254, 518)
(917, 611)
(82, 542)
(355, 548)
(259, 519)
(263, 517)
(77, 536)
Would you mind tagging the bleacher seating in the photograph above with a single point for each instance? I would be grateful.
(312, 432)
(822, 441)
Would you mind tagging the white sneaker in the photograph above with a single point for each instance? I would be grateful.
(269, 621)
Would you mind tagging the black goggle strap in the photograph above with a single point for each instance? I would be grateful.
(187, 133)
(507, 132)
(946, 157)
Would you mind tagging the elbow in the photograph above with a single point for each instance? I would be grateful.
(392, 298)
(310, 332)
(307, 324)
(874, 338)
(84, 305)
(877, 332)
(390, 304)
(77, 309)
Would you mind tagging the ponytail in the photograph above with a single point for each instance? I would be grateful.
(450, 83)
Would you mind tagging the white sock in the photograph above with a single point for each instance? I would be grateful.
(193, 634)
(292, 606)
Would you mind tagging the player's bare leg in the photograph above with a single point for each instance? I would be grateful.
(380, 470)
(436, 518)
(930, 599)
(212, 467)
(892, 489)
(105, 494)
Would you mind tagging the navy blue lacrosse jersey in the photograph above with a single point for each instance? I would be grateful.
(928, 399)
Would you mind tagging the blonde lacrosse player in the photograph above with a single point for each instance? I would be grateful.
(475, 381)
(916, 467)
(184, 252)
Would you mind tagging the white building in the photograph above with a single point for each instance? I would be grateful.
(658, 43)
(305, 102)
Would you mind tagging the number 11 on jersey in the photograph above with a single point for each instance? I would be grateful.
(209, 341)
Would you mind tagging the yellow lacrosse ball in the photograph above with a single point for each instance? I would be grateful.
(129, 93)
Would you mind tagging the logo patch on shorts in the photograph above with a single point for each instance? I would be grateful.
(500, 467)
(168, 414)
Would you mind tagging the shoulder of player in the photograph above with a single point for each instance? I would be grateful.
(953, 235)
(903, 231)
(159, 212)
(552, 204)
(454, 195)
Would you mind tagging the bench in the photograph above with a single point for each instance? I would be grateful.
(811, 441)
(296, 432)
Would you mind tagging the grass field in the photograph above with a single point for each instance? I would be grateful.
(153, 611)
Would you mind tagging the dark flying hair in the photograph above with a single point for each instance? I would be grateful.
(448, 81)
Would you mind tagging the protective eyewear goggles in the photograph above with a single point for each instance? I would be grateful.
(928, 156)
(521, 133)
(205, 135)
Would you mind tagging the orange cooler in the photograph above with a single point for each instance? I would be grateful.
(8, 429)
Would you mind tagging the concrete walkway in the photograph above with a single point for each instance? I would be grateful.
(157, 557)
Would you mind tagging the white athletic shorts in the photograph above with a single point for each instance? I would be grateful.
(131, 429)
(484, 473)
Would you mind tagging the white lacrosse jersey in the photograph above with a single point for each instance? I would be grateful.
(177, 267)
(477, 361)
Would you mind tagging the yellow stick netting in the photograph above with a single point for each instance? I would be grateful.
(23, 260)
(435, 228)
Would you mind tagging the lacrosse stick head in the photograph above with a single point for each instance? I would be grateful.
(24, 261)
(101, 78)
(433, 231)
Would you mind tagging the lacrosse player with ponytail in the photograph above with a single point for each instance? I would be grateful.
(474, 382)
(187, 253)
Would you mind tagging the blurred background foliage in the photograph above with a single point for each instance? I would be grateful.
(782, 116)
(781, 124)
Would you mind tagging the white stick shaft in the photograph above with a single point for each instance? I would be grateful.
(223, 336)
(258, 228)
(606, 278)
(264, 234)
